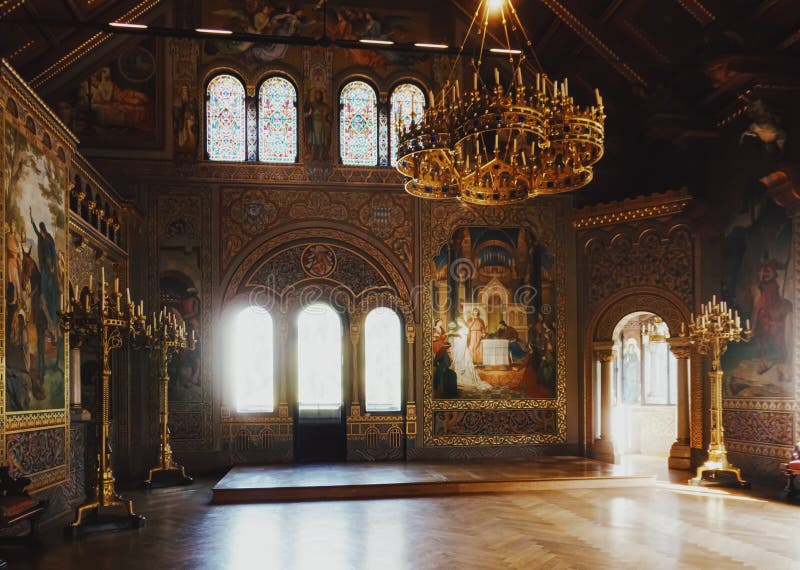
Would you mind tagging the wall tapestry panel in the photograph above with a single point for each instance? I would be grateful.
(493, 301)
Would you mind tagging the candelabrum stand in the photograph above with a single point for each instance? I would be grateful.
(166, 339)
(710, 332)
(100, 315)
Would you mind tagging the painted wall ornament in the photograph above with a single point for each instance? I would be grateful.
(318, 260)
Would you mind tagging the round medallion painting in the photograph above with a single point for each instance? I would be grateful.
(318, 260)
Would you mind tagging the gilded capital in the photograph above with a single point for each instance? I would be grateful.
(680, 347)
(605, 354)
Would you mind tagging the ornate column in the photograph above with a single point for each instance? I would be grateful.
(604, 445)
(75, 379)
(681, 451)
(355, 399)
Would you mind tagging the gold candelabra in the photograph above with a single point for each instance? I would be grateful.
(166, 338)
(99, 314)
(710, 332)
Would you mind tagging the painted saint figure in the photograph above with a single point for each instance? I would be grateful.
(477, 332)
(48, 269)
(770, 310)
(318, 126)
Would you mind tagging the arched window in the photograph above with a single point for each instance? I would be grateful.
(319, 362)
(225, 119)
(383, 361)
(358, 124)
(277, 121)
(252, 360)
(407, 100)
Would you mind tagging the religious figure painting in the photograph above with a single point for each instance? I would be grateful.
(757, 281)
(118, 102)
(494, 323)
(338, 20)
(35, 240)
(181, 298)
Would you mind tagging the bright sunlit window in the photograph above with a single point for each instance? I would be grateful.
(383, 360)
(252, 366)
(319, 361)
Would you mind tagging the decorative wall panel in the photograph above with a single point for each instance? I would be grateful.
(248, 213)
(490, 421)
(180, 223)
(36, 152)
(639, 256)
(774, 428)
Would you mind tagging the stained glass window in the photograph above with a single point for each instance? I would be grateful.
(277, 121)
(383, 360)
(358, 125)
(225, 119)
(252, 360)
(406, 99)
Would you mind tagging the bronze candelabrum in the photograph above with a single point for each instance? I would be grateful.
(710, 332)
(166, 339)
(97, 314)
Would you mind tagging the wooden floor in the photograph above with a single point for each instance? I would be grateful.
(662, 526)
(416, 479)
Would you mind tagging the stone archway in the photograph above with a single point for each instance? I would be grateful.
(599, 349)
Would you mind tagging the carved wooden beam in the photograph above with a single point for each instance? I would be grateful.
(587, 30)
(697, 11)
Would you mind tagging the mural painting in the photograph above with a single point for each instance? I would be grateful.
(336, 19)
(180, 296)
(117, 102)
(36, 265)
(494, 332)
(757, 278)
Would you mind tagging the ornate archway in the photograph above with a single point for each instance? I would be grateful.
(599, 348)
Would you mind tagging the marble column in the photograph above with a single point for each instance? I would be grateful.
(680, 453)
(604, 445)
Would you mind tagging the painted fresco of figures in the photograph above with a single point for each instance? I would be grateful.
(117, 102)
(495, 291)
(182, 298)
(318, 117)
(757, 273)
(35, 232)
(185, 120)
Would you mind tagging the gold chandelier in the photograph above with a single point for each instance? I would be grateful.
(496, 145)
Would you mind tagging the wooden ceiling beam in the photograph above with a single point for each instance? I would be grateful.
(698, 11)
(588, 31)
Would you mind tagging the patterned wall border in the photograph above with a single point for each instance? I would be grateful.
(548, 222)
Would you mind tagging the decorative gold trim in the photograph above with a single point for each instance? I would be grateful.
(630, 209)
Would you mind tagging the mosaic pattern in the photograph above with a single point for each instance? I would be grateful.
(358, 125)
(494, 422)
(758, 426)
(225, 119)
(407, 103)
(277, 123)
(35, 451)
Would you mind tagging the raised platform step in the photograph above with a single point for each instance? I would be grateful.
(253, 484)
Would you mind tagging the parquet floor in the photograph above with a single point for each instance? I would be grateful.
(662, 526)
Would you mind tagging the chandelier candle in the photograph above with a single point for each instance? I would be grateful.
(497, 125)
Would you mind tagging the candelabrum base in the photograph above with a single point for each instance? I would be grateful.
(171, 476)
(94, 517)
(712, 473)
